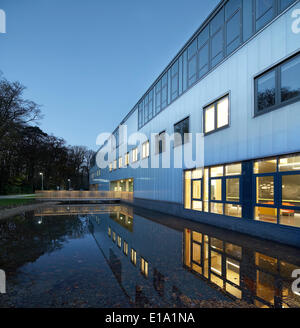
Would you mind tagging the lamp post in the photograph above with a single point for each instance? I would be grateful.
(42, 175)
(69, 180)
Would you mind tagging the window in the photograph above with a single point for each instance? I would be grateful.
(180, 129)
(119, 243)
(127, 159)
(134, 155)
(120, 162)
(160, 142)
(115, 164)
(279, 86)
(144, 267)
(233, 25)
(264, 12)
(114, 237)
(125, 248)
(109, 232)
(133, 256)
(216, 115)
(175, 81)
(192, 63)
(158, 97)
(217, 38)
(110, 167)
(285, 3)
(164, 92)
(145, 149)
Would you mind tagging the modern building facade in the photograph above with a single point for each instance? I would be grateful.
(237, 81)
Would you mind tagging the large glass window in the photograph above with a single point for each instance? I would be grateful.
(164, 92)
(175, 81)
(279, 86)
(233, 190)
(290, 79)
(192, 63)
(216, 116)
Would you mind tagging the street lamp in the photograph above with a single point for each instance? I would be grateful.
(69, 180)
(42, 175)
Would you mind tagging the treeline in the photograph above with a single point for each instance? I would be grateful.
(26, 151)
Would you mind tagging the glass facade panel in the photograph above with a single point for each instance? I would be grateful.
(216, 208)
(197, 189)
(233, 28)
(233, 210)
(291, 190)
(203, 37)
(265, 190)
(203, 60)
(264, 12)
(266, 91)
(285, 3)
(217, 171)
(290, 163)
(181, 131)
(187, 196)
(233, 169)
(290, 79)
(266, 214)
(265, 166)
(290, 217)
(216, 189)
(217, 44)
(197, 253)
(233, 190)
(265, 287)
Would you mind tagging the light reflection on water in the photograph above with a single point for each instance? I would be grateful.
(114, 256)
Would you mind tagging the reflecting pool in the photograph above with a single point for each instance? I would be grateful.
(118, 256)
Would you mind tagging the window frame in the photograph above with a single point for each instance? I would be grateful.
(278, 103)
(215, 103)
(146, 144)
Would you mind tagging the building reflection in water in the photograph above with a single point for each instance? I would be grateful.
(159, 262)
(245, 274)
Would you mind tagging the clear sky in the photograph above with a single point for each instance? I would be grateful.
(87, 62)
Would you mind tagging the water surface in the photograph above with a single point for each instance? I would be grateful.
(115, 256)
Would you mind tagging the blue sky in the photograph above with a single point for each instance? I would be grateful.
(88, 62)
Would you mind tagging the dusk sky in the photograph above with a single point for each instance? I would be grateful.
(88, 62)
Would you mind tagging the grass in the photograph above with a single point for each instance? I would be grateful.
(13, 202)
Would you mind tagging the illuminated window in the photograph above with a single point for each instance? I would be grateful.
(114, 236)
(265, 190)
(265, 166)
(145, 149)
(134, 155)
(110, 167)
(127, 159)
(233, 169)
(120, 162)
(290, 163)
(187, 188)
(115, 164)
(109, 231)
(125, 248)
(233, 190)
(144, 267)
(133, 256)
(291, 190)
(119, 242)
(216, 115)
(216, 189)
(266, 214)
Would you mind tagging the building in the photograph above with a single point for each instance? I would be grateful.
(237, 81)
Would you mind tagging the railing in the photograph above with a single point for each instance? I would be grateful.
(83, 195)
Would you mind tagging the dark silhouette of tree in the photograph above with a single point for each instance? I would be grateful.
(26, 150)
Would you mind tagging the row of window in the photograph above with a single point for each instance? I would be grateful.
(232, 25)
(144, 265)
(275, 184)
(96, 174)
